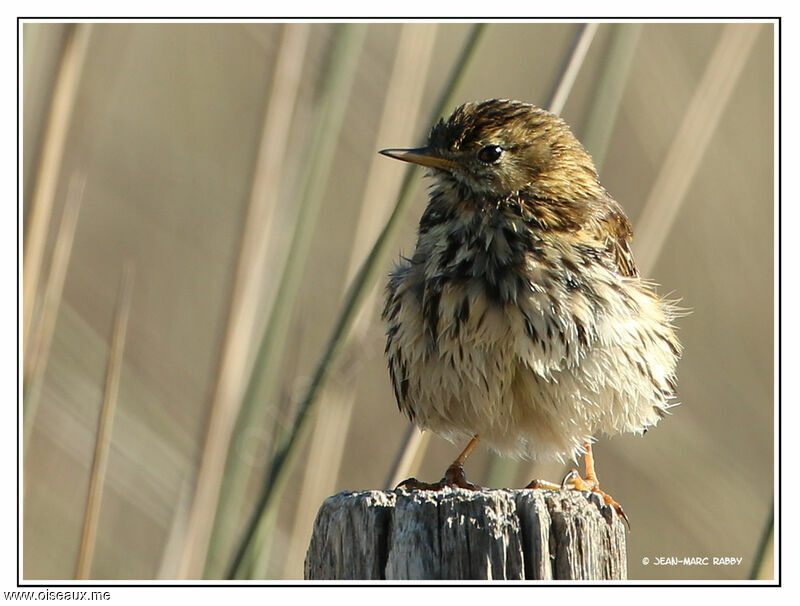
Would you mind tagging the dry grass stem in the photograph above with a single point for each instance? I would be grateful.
(607, 100)
(573, 67)
(106, 424)
(245, 299)
(763, 568)
(171, 556)
(37, 352)
(47, 178)
(691, 141)
(410, 456)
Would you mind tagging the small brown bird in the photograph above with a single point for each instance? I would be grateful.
(521, 317)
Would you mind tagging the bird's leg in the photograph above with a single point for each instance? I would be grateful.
(454, 476)
(590, 482)
(573, 481)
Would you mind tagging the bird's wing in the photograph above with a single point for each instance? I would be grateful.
(614, 229)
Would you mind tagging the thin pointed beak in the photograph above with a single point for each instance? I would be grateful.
(424, 156)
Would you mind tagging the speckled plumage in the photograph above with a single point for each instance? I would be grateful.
(521, 315)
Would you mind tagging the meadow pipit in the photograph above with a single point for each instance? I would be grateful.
(521, 316)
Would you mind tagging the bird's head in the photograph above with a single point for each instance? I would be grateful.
(499, 147)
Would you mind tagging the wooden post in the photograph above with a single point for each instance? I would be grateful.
(459, 534)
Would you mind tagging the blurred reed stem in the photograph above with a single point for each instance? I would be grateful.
(171, 555)
(764, 560)
(398, 122)
(65, 92)
(690, 142)
(409, 456)
(245, 299)
(37, 351)
(106, 424)
(608, 98)
(258, 525)
(566, 79)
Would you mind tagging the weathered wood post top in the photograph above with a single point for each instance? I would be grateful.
(456, 534)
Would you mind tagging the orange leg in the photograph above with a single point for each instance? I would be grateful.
(573, 481)
(454, 476)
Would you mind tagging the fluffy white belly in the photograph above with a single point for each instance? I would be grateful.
(532, 381)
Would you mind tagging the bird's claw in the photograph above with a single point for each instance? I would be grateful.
(573, 481)
(453, 477)
(616, 506)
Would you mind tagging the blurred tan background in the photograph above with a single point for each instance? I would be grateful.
(184, 150)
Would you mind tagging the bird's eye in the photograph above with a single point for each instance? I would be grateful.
(490, 154)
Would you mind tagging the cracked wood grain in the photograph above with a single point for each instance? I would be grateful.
(456, 534)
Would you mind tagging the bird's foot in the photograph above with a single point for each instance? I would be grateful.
(573, 481)
(453, 477)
